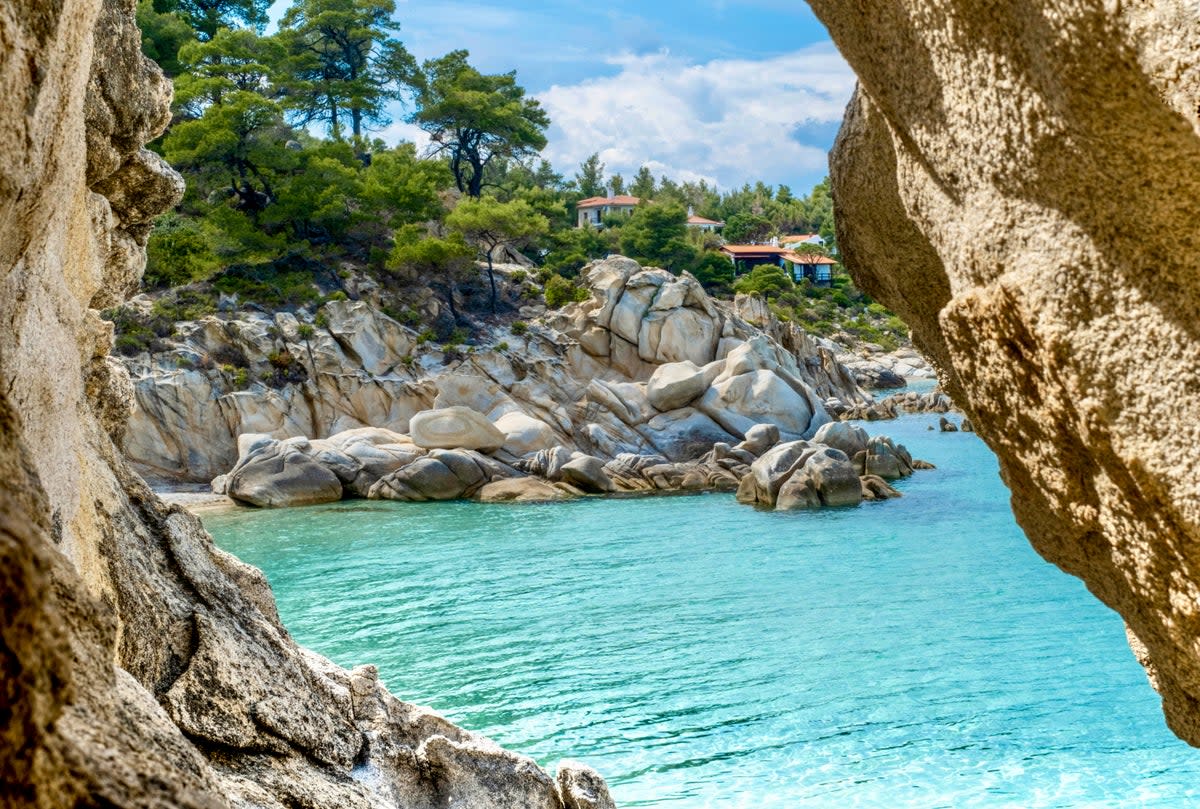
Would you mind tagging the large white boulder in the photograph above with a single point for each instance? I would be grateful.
(523, 434)
(455, 428)
(827, 478)
(739, 402)
(679, 334)
(366, 333)
(675, 384)
(639, 294)
(849, 438)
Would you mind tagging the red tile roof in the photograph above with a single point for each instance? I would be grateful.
(807, 258)
(798, 237)
(753, 249)
(598, 202)
(741, 250)
(700, 220)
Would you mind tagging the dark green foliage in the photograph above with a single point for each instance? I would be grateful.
(519, 327)
(183, 304)
(442, 262)
(475, 118)
(286, 282)
(589, 181)
(492, 224)
(715, 272)
(206, 17)
(747, 228)
(657, 235)
(643, 184)
(559, 292)
(233, 60)
(343, 64)
(768, 280)
(178, 252)
(163, 34)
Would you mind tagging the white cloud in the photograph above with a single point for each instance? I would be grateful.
(729, 121)
(400, 130)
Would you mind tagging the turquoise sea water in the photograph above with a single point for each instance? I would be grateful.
(914, 653)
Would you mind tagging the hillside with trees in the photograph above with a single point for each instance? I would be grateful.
(292, 198)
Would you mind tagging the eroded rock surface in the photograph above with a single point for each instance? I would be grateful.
(140, 665)
(984, 178)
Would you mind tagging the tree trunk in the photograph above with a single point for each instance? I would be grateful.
(492, 279)
(475, 188)
(450, 299)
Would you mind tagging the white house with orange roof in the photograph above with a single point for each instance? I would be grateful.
(591, 211)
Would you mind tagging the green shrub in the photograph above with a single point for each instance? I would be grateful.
(305, 331)
(183, 304)
(519, 327)
(321, 319)
(427, 335)
(559, 292)
(502, 346)
(178, 252)
(288, 281)
(768, 280)
(337, 296)
(518, 276)
(281, 359)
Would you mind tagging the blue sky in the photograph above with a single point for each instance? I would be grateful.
(728, 91)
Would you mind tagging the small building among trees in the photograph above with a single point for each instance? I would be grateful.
(591, 211)
(707, 225)
(816, 268)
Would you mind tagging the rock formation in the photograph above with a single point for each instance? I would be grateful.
(140, 665)
(381, 465)
(649, 364)
(1018, 182)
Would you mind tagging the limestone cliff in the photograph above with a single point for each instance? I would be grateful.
(140, 665)
(1018, 181)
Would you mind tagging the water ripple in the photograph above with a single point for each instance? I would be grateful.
(914, 653)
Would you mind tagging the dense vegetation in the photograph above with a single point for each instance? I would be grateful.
(291, 200)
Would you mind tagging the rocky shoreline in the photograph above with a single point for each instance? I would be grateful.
(650, 383)
(840, 466)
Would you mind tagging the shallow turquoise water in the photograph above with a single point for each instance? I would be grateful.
(914, 653)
